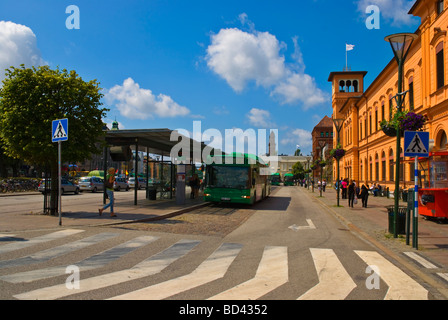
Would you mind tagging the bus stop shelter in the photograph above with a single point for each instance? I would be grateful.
(120, 144)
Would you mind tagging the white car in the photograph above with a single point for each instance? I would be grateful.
(120, 184)
(141, 183)
(93, 184)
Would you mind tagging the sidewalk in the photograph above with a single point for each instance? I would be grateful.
(87, 215)
(374, 222)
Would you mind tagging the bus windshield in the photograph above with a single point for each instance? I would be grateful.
(228, 177)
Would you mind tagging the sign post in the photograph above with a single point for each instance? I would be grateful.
(59, 133)
(416, 145)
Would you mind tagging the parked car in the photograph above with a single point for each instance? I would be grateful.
(93, 184)
(141, 183)
(66, 186)
(121, 183)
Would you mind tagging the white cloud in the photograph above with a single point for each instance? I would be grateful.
(18, 45)
(299, 137)
(241, 57)
(137, 103)
(260, 118)
(395, 11)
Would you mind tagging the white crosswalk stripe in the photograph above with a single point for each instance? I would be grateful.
(45, 238)
(272, 272)
(401, 286)
(211, 269)
(334, 282)
(150, 266)
(93, 262)
(58, 251)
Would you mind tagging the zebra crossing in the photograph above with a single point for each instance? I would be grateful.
(272, 273)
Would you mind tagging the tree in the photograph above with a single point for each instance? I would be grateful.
(31, 98)
(298, 171)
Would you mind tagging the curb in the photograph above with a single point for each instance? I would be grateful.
(157, 218)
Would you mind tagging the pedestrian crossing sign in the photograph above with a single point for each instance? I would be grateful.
(416, 144)
(59, 130)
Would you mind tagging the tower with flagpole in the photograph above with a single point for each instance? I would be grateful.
(348, 47)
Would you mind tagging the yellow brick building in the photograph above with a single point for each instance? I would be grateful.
(370, 154)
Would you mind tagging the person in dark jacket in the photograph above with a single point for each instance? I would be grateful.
(364, 195)
(351, 193)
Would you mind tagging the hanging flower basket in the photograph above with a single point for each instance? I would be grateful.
(337, 152)
(389, 131)
(403, 121)
(322, 164)
(412, 122)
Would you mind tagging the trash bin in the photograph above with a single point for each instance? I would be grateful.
(404, 195)
(152, 193)
(401, 221)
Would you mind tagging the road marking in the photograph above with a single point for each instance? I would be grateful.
(52, 253)
(5, 236)
(444, 276)
(272, 272)
(401, 286)
(45, 238)
(310, 226)
(215, 267)
(97, 261)
(425, 263)
(334, 281)
(148, 267)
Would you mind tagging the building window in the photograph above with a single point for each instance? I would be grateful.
(411, 94)
(440, 66)
(370, 123)
(391, 107)
(360, 130)
(443, 141)
(376, 120)
(365, 128)
(439, 6)
(382, 111)
(383, 167)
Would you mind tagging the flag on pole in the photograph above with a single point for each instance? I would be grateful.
(349, 47)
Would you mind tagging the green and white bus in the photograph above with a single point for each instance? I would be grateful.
(288, 179)
(236, 180)
(275, 179)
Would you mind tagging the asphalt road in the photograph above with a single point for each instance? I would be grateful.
(287, 247)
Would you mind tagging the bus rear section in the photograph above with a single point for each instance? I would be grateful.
(235, 183)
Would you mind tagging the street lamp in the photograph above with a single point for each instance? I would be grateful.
(338, 123)
(400, 43)
(322, 144)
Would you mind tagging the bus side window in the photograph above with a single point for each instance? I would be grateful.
(254, 176)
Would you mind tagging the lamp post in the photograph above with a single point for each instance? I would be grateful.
(322, 144)
(312, 181)
(400, 43)
(338, 124)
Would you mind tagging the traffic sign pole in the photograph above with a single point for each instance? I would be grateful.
(415, 224)
(416, 145)
(59, 183)
(59, 133)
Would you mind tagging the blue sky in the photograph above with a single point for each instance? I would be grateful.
(229, 64)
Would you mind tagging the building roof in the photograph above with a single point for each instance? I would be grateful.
(155, 141)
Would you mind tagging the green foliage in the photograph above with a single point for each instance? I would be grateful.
(31, 98)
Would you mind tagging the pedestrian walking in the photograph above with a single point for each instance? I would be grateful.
(324, 184)
(109, 183)
(351, 193)
(364, 195)
(344, 184)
